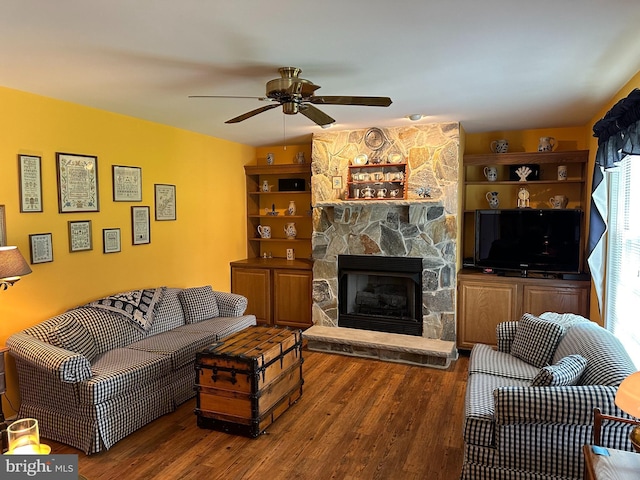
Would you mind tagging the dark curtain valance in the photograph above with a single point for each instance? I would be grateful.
(618, 132)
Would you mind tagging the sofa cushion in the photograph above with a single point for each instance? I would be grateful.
(169, 314)
(71, 335)
(121, 371)
(198, 303)
(220, 326)
(608, 363)
(565, 371)
(137, 306)
(536, 340)
(484, 359)
(179, 346)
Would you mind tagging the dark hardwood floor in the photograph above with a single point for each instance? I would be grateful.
(357, 419)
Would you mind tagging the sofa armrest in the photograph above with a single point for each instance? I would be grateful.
(563, 405)
(65, 365)
(230, 304)
(505, 333)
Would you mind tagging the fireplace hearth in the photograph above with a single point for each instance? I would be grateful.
(380, 293)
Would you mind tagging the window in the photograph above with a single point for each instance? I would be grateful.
(622, 300)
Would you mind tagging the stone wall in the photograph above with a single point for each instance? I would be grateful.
(414, 226)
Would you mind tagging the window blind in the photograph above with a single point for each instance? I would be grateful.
(622, 300)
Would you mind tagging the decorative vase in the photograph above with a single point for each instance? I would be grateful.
(292, 208)
(290, 230)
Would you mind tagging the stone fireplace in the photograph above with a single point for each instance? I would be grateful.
(419, 226)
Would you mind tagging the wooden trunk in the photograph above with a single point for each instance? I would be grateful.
(248, 379)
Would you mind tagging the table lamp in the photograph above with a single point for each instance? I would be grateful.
(628, 400)
(12, 266)
(24, 438)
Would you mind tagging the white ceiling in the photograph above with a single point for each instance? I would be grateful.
(491, 65)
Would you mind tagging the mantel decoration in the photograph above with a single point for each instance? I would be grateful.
(127, 184)
(29, 169)
(77, 183)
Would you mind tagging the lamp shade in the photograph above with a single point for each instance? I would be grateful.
(628, 395)
(12, 263)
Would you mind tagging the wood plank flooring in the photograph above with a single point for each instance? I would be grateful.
(357, 419)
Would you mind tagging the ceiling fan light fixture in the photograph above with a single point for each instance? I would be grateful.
(327, 125)
(414, 117)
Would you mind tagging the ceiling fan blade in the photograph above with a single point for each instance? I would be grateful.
(250, 114)
(315, 115)
(345, 100)
(227, 96)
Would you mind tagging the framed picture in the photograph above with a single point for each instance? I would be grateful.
(337, 182)
(140, 225)
(30, 173)
(127, 184)
(77, 183)
(3, 228)
(41, 248)
(111, 240)
(80, 236)
(165, 199)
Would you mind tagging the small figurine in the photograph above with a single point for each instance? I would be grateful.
(424, 192)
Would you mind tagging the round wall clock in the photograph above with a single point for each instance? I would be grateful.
(374, 138)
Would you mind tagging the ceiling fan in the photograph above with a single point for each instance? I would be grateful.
(295, 94)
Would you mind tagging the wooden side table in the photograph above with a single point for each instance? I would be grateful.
(618, 465)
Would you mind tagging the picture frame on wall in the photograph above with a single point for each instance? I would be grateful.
(30, 175)
(80, 238)
(41, 247)
(165, 201)
(3, 227)
(77, 183)
(127, 183)
(140, 225)
(111, 242)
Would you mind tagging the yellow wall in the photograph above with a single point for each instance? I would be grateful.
(210, 230)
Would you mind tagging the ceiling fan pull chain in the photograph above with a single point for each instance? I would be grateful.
(284, 131)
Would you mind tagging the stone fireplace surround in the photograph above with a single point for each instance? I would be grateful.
(413, 226)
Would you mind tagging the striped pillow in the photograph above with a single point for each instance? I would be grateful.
(566, 371)
(536, 340)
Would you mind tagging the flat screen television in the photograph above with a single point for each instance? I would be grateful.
(527, 239)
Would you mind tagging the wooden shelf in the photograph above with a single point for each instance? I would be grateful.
(521, 158)
(532, 182)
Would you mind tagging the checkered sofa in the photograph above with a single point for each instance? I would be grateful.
(91, 377)
(516, 428)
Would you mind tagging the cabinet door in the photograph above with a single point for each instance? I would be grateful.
(292, 298)
(255, 284)
(481, 307)
(539, 299)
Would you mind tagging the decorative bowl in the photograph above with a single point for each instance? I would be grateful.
(361, 159)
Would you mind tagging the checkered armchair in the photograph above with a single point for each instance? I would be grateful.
(529, 404)
(93, 375)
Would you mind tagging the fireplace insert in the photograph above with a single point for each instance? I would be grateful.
(380, 293)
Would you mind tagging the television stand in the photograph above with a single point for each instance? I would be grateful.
(484, 301)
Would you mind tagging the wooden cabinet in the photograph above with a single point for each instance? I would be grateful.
(541, 190)
(486, 300)
(278, 290)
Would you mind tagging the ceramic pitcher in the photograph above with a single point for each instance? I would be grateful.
(492, 198)
(290, 230)
(546, 144)
(500, 146)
